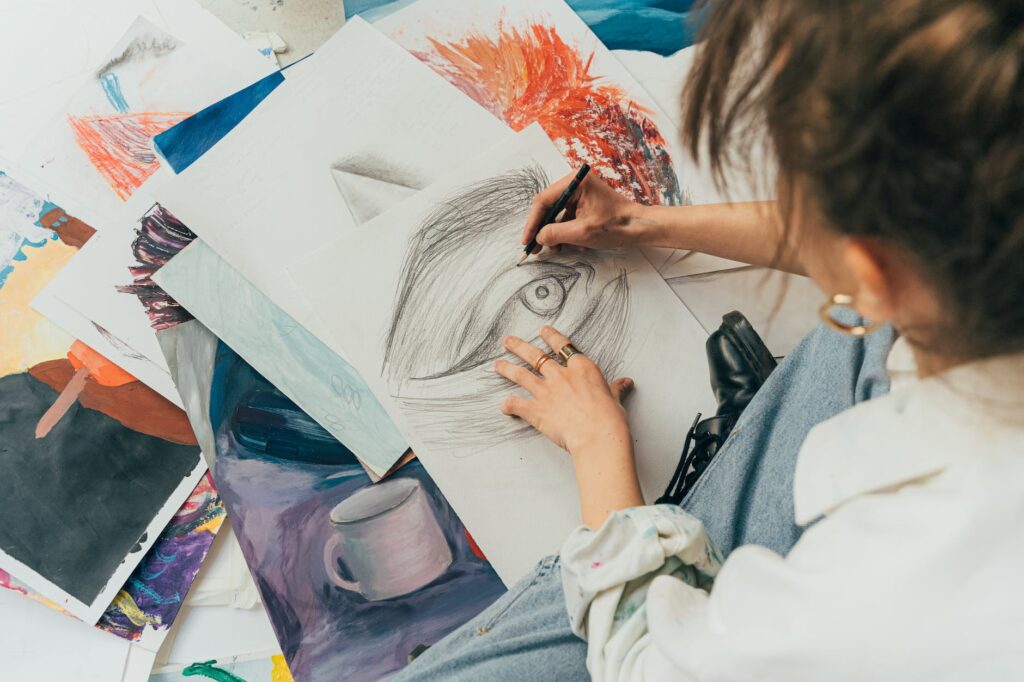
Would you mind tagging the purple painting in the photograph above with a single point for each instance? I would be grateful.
(157, 587)
(355, 576)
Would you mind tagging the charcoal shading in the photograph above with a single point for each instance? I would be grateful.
(151, 45)
(460, 293)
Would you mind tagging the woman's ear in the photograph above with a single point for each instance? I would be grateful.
(875, 295)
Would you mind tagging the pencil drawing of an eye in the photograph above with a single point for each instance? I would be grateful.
(546, 296)
(460, 294)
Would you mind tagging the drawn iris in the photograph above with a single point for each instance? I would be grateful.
(546, 296)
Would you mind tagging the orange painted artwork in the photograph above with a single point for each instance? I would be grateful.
(530, 73)
(120, 146)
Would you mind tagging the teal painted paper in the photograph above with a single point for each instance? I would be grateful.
(326, 387)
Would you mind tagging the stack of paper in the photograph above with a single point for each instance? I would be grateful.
(318, 293)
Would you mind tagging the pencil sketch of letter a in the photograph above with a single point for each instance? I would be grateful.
(460, 293)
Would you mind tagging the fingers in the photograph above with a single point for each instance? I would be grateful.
(519, 375)
(554, 338)
(572, 232)
(529, 354)
(541, 204)
(516, 406)
(621, 388)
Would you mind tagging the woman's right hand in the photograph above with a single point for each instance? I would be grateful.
(597, 217)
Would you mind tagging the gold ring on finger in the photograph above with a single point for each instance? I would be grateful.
(540, 362)
(567, 351)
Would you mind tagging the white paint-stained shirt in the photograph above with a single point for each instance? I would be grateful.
(915, 570)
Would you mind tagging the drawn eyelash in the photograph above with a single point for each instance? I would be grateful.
(545, 296)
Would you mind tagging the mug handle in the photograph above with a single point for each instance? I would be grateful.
(331, 563)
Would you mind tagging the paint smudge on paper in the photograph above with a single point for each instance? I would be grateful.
(19, 224)
(235, 669)
(157, 588)
(530, 74)
(209, 670)
(159, 238)
(9, 583)
(119, 146)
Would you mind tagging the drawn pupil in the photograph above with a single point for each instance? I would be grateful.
(545, 296)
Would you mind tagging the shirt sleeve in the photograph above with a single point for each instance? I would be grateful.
(873, 591)
(606, 575)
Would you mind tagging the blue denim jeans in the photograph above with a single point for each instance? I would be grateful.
(744, 497)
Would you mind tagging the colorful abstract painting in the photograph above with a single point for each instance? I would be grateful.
(539, 63)
(661, 26)
(125, 458)
(355, 576)
(155, 592)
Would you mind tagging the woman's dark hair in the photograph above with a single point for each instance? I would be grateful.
(901, 120)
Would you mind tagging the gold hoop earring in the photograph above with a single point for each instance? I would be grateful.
(844, 301)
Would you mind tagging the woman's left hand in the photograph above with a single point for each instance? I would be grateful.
(571, 404)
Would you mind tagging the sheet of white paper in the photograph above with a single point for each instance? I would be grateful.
(296, 362)
(439, 289)
(139, 666)
(783, 308)
(90, 613)
(53, 46)
(37, 643)
(587, 102)
(89, 285)
(96, 150)
(363, 106)
(106, 344)
(208, 632)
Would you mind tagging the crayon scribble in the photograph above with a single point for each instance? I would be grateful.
(112, 89)
(120, 147)
(529, 74)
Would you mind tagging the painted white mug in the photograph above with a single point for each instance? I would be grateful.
(386, 541)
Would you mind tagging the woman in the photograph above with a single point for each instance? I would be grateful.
(877, 539)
